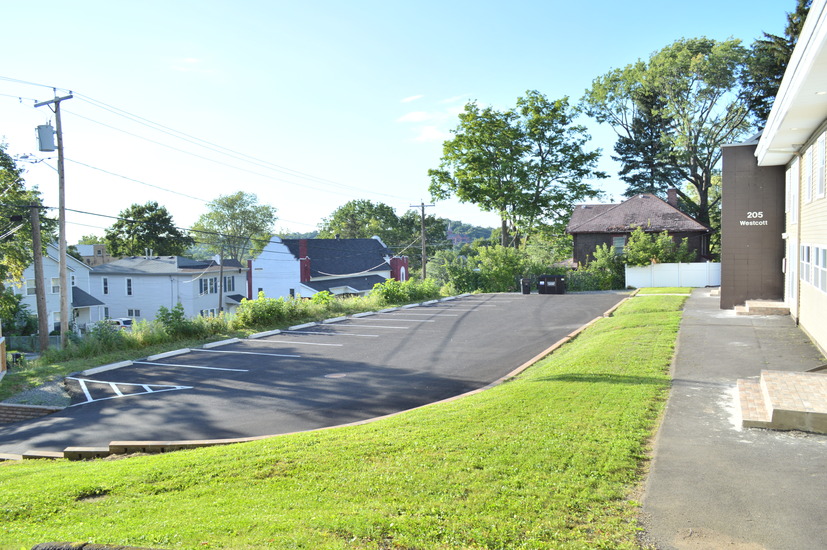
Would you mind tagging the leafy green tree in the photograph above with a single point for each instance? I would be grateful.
(767, 62)
(697, 85)
(143, 227)
(15, 220)
(361, 219)
(235, 226)
(644, 249)
(527, 164)
(92, 239)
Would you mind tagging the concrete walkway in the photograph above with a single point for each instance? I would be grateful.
(712, 483)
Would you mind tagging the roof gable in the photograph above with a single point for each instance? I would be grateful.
(645, 210)
(336, 257)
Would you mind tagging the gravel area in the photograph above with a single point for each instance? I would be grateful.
(52, 394)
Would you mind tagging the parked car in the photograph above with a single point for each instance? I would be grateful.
(122, 323)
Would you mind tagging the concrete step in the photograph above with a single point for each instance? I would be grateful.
(754, 413)
(763, 307)
(782, 400)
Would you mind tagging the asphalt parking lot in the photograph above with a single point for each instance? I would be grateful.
(311, 377)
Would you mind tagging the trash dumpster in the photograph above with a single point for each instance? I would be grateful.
(525, 285)
(552, 284)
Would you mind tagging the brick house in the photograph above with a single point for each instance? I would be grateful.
(592, 225)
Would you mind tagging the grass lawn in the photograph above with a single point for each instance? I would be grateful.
(666, 290)
(547, 460)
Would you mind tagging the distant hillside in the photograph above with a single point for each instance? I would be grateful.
(461, 233)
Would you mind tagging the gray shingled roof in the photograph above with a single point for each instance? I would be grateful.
(332, 257)
(81, 298)
(160, 265)
(645, 210)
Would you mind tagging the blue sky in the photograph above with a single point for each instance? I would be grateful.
(307, 104)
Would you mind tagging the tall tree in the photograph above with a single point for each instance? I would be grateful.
(146, 227)
(360, 219)
(767, 63)
(646, 159)
(696, 82)
(527, 164)
(236, 226)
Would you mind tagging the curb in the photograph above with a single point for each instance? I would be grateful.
(129, 447)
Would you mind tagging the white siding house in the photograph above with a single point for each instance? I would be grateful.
(138, 286)
(85, 308)
(303, 267)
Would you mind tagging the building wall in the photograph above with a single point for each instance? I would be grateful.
(806, 231)
(150, 292)
(752, 221)
(276, 272)
(78, 275)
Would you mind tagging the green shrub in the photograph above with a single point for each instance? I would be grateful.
(177, 325)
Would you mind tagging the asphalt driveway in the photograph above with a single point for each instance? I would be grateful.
(312, 377)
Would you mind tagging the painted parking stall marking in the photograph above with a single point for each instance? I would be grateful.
(120, 389)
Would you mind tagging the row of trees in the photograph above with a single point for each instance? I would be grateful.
(671, 112)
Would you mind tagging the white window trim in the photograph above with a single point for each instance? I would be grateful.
(129, 287)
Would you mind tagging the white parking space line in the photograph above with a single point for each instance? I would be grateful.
(306, 343)
(408, 320)
(424, 314)
(377, 326)
(332, 333)
(188, 366)
(231, 352)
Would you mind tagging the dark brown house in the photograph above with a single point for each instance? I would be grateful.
(594, 224)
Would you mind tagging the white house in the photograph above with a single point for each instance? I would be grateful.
(138, 286)
(303, 267)
(85, 307)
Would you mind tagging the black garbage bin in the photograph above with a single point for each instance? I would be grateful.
(525, 286)
(552, 284)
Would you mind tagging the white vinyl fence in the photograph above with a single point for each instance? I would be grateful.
(660, 275)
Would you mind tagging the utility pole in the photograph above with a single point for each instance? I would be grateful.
(61, 189)
(422, 206)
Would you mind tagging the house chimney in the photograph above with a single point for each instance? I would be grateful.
(672, 197)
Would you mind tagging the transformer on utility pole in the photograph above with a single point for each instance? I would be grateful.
(61, 188)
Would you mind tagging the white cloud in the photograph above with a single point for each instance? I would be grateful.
(432, 133)
(415, 116)
(412, 98)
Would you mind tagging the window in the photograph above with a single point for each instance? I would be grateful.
(73, 280)
(804, 273)
(106, 313)
(105, 283)
(820, 267)
(820, 166)
(133, 312)
(99, 252)
(208, 312)
(129, 287)
(31, 287)
(229, 284)
(208, 286)
(808, 174)
(55, 285)
(618, 243)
